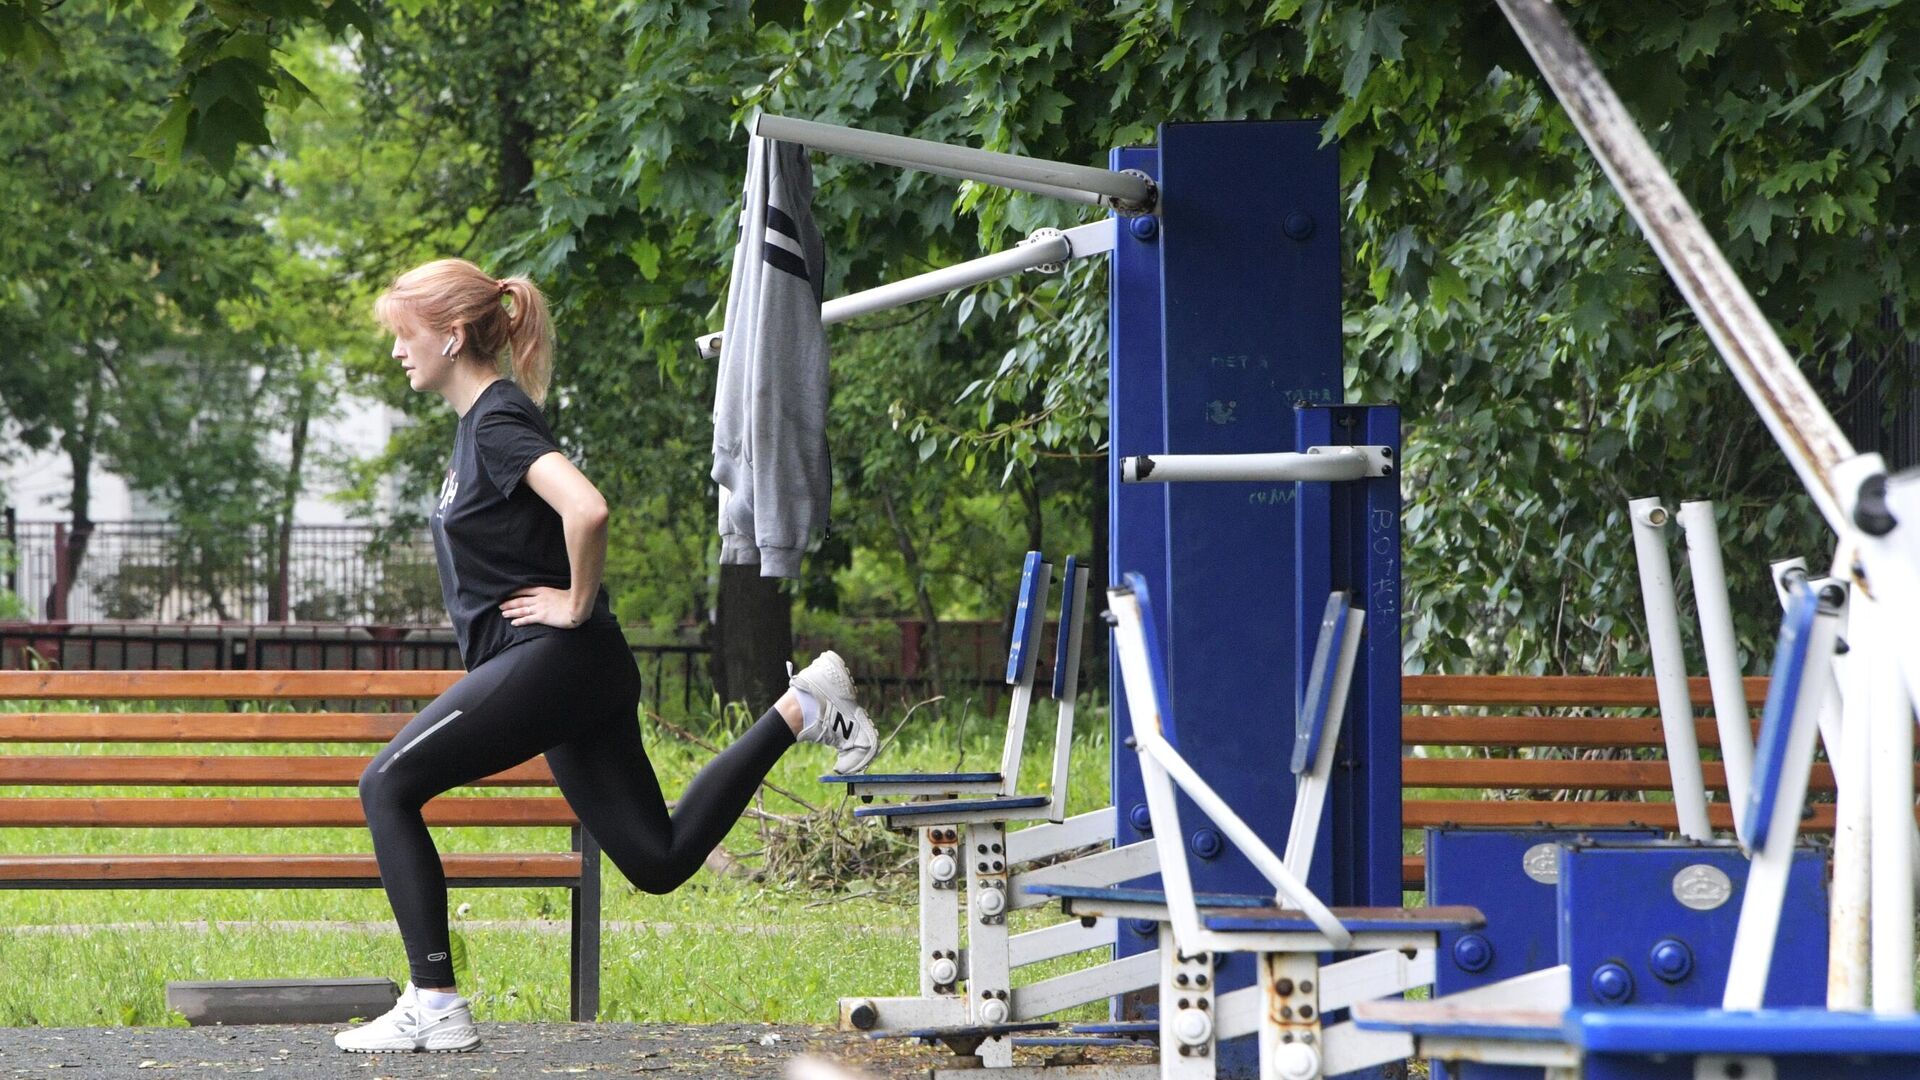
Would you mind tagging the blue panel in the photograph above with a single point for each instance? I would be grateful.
(947, 806)
(1027, 618)
(911, 778)
(1618, 901)
(1311, 717)
(1487, 868)
(1148, 896)
(1348, 538)
(1763, 1031)
(1776, 727)
(1061, 661)
(1136, 513)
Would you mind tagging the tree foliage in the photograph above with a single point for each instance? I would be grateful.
(1494, 287)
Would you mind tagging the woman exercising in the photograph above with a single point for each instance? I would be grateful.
(521, 538)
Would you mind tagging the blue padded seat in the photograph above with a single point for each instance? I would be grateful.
(948, 806)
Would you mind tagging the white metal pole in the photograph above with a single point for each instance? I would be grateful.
(1730, 712)
(1848, 952)
(1669, 667)
(1766, 888)
(1319, 463)
(1078, 242)
(1890, 734)
(987, 166)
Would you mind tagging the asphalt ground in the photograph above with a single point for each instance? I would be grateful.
(306, 1052)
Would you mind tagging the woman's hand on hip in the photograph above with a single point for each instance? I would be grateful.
(543, 606)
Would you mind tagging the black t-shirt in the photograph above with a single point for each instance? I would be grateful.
(493, 535)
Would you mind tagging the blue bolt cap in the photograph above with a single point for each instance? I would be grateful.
(1612, 983)
(1143, 927)
(1140, 819)
(1144, 228)
(1671, 959)
(1206, 843)
(1473, 953)
(1298, 225)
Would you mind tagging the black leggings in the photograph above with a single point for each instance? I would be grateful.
(572, 696)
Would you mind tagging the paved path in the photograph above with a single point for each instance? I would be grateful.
(301, 1052)
(722, 1052)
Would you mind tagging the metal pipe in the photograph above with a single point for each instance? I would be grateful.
(1071, 195)
(1079, 242)
(1890, 736)
(1122, 190)
(1730, 712)
(1848, 953)
(1669, 667)
(1320, 463)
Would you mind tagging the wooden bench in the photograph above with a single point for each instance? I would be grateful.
(576, 870)
(1507, 718)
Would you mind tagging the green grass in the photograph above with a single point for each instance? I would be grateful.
(717, 949)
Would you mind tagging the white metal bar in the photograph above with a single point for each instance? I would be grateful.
(1136, 972)
(1669, 667)
(1047, 191)
(1071, 624)
(1060, 939)
(1892, 559)
(1877, 636)
(900, 1013)
(1848, 952)
(1766, 889)
(986, 166)
(1351, 1050)
(1770, 375)
(1099, 870)
(1319, 463)
(1289, 887)
(1056, 838)
(939, 917)
(1730, 712)
(1374, 975)
(1079, 242)
(1310, 798)
(989, 974)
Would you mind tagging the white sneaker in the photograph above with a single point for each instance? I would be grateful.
(410, 1025)
(842, 723)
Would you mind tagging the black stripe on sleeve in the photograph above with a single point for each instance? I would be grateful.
(781, 259)
(779, 222)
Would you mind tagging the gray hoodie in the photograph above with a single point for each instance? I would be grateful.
(770, 402)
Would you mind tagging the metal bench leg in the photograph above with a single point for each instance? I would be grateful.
(584, 976)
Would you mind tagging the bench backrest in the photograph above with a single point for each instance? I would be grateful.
(389, 690)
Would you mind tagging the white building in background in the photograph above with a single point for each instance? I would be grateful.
(130, 573)
(37, 485)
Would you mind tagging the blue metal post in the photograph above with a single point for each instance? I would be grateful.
(1248, 280)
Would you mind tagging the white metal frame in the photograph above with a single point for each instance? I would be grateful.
(1730, 712)
(1086, 184)
(1045, 248)
(1319, 463)
(1669, 666)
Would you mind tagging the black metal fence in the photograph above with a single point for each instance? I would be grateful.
(160, 572)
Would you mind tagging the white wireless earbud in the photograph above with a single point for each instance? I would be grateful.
(447, 349)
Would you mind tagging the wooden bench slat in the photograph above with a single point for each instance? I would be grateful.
(185, 727)
(309, 770)
(1518, 813)
(1554, 690)
(1413, 872)
(1534, 775)
(260, 685)
(1582, 731)
(257, 867)
(267, 813)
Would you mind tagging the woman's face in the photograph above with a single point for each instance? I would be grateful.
(419, 350)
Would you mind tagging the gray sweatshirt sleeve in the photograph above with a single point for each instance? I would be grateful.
(770, 405)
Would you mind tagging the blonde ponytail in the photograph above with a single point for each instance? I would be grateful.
(507, 316)
(529, 336)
